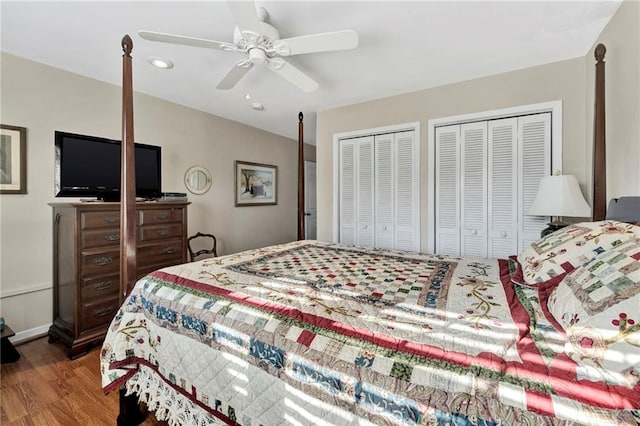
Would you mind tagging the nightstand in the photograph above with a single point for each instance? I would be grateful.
(8, 352)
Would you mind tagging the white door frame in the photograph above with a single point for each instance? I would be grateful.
(337, 137)
(555, 107)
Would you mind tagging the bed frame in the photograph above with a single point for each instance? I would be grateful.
(130, 413)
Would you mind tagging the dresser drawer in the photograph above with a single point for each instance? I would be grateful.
(100, 263)
(100, 288)
(99, 313)
(169, 252)
(100, 237)
(151, 217)
(156, 232)
(94, 220)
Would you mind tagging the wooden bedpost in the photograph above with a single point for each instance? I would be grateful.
(128, 180)
(599, 140)
(129, 408)
(300, 177)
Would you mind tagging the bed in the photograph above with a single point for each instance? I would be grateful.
(312, 332)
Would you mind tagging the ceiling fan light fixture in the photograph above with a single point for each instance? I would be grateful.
(257, 56)
(161, 63)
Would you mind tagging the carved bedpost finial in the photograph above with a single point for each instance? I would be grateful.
(600, 51)
(127, 45)
(300, 116)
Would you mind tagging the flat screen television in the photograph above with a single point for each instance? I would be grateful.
(89, 166)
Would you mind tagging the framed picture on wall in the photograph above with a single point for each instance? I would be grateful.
(256, 184)
(13, 159)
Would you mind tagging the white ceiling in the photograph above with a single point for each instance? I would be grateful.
(404, 46)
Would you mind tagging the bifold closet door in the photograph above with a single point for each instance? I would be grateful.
(473, 189)
(448, 190)
(385, 191)
(379, 191)
(534, 134)
(347, 196)
(356, 191)
(407, 191)
(487, 175)
(503, 187)
(365, 225)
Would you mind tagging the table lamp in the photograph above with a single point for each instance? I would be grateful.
(558, 196)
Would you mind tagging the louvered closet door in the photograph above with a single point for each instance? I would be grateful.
(447, 190)
(503, 187)
(384, 191)
(473, 194)
(347, 192)
(534, 134)
(365, 226)
(407, 192)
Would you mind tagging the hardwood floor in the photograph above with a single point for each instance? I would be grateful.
(44, 387)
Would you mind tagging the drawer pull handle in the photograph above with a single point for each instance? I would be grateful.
(170, 250)
(163, 216)
(111, 219)
(103, 261)
(112, 237)
(163, 232)
(103, 312)
(104, 285)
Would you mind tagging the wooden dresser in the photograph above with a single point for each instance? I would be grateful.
(86, 263)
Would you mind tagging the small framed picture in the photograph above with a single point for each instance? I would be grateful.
(13, 159)
(256, 184)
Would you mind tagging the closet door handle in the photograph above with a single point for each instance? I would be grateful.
(384, 228)
(503, 234)
(474, 232)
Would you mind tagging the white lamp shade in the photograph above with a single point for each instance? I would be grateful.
(559, 196)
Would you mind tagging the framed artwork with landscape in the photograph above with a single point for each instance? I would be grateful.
(256, 184)
(13, 159)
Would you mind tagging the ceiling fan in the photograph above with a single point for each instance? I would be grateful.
(261, 44)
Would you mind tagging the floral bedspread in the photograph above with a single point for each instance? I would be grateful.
(319, 333)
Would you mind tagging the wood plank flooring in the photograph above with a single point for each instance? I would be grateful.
(44, 387)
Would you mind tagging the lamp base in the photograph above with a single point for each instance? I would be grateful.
(553, 227)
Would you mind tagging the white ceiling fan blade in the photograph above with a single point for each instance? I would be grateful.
(245, 15)
(322, 42)
(189, 41)
(234, 76)
(293, 75)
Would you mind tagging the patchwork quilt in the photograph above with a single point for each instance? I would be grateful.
(318, 333)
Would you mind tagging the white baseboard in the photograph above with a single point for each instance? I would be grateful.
(33, 333)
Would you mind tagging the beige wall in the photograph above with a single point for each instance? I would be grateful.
(558, 81)
(622, 84)
(44, 99)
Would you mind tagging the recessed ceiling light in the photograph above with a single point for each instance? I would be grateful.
(160, 63)
(247, 96)
(257, 106)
